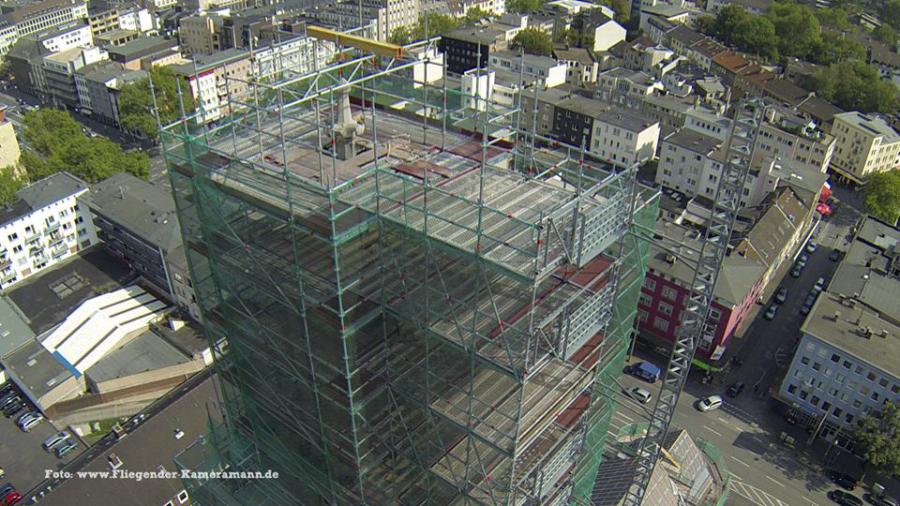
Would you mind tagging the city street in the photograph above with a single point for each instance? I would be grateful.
(747, 429)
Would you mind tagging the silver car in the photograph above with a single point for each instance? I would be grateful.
(55, 440)
(33, 421)
(66, 448)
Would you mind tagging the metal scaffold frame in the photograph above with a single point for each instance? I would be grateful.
(427, 321)
(695, 324)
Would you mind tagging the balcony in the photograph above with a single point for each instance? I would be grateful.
(53, 227)
(59, 250)
(33, 237)
(7, 276)
(40, 259)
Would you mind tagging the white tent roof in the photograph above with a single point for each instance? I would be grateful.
(98, 325)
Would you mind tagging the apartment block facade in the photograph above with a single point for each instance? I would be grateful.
(865, 145)
(44, 226)
(29, 18)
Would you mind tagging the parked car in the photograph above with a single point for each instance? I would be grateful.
(639, 394)
(781, 296)
(735, 389)
(796, 271)
(883, 500)
(9, 400)
(710, 403)
(67, 447)
(55, 440)
(843, 480)
(14, 408)
(804, 259)
(6, 489)
(30, 420)
(645, 371)
(7, 387)
(11, 498)
(844, 498)
(770, 312)
(820, 284)
(811, 247)
(835, 255)
(806, 309)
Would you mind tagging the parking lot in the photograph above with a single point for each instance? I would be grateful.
(23, 458)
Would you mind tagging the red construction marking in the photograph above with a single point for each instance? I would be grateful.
(509, 215)
(588, 354)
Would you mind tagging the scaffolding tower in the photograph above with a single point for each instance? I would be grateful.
(439, 318)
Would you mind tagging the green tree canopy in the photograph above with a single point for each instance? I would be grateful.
(534, 41)
(706, 24)
(883, 196)
(523, 6)
(9, 185)
(797, 27)
(890, 13)
(433, 25)
(622, 8)
(885, 34)
(855, 85)
(878, 439)
(60, 144)
(136, 104)
(757, 36)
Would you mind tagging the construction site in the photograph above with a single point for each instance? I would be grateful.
(422, 301)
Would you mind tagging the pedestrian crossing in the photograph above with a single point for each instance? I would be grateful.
(754, 494)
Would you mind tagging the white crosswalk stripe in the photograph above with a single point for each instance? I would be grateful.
(756, 495)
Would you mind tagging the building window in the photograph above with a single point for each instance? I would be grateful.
(875, 396)
(847, 364)
(849, 418)
(12, 237)
(661, 324)
(871, 376)
(646, 300)
(804, 394)
(665, 309)
(715, 314)
(804, 360)
(669, 293)
(858, 370)
(835, 358)
(814, 400)
(837, 412)
(643, 315)
(883, 382)
(650, 284)
(840, 378)
(857, 403)
(817, 366)
(182, 497)
(792, 389)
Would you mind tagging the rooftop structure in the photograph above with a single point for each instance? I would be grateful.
(433, 319)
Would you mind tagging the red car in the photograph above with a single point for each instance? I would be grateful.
(12, 498)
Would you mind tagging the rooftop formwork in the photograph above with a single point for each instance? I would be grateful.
(440, 318)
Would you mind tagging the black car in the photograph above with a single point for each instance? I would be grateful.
(8, 401)
(735, 389)
(844, 498)
(835, 255)
(7, 387)
(14, 408)
(843, 480)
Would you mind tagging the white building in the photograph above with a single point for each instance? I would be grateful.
(624, 137)
(37, 17)
(575, 6)
(846, 363)
(477, 88)
(607, 35)
(296, 54)
(138, 20)
(625, 86)
(548, 71)
(707, 122)
(44, 226)
(581, 67)
(864, 145)
(72, 35)
(793, 141)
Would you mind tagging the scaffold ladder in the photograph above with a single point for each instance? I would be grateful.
(739, 148)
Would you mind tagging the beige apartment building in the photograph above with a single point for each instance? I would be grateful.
(865, 145)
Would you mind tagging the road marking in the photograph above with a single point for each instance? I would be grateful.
(740, 461)
(722, 420)
(773, 480)
(626, 417)
(714, 432)
(754, 494)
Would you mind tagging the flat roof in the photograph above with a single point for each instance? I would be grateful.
(151, 445)
(847, 331)
(872, 124)
(14, 329)
(583, 105)
(142, 46)
(627, 119)
(145, 352)
(36, 369)
(145, 209)
(694, 141)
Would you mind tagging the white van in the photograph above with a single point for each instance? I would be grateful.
(710, 403)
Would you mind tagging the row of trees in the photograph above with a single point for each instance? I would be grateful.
(786, 30)
(882, 196)
(136, 103)
(855, 86)
(434, 25)
(58, 143)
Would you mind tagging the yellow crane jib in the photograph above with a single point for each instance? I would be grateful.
(384, 49)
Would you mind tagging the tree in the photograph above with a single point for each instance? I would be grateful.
(622, 8)
(883, 196)
(136, 103)
(855, 85)
(797, 27)
(885, 34)
(706, 24)
(58, 144)
(9, 185)
(428, 25)
(730, 20)
(836, 49)
(878, 439)
(757, 36)
(534, 41)
(890, 13)
(475, 15)
(523, 6)
(835, 18)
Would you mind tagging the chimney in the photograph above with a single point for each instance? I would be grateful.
(884, 333)
(837, 315)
